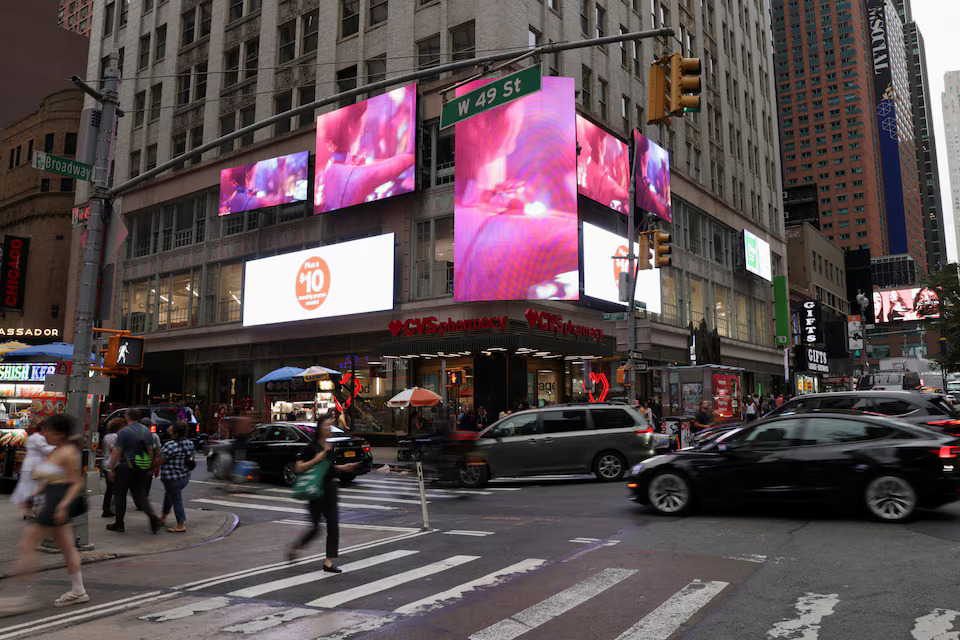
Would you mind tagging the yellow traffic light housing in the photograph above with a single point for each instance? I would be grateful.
(621, 375)
(684, 84)
(657, 95)
(643, 253)
(661, 249)
(124, 352)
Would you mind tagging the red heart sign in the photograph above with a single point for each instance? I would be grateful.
(395, 327)
(601, 379)
(533, 317)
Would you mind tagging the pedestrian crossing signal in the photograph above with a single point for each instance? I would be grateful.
(455, 378)
(124, 352)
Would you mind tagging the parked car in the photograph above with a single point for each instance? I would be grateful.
(930, 409)
(890, 379)
(603, 439)
(274, 447)
(885, 466)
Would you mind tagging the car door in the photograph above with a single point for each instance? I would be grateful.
(256, 446)
(567, 443)
(278, 448)
(513, 447)
(755, 461)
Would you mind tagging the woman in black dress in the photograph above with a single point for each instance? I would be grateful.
(325, 506)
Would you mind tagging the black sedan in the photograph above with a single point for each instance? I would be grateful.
(274, 447)
(887, 466)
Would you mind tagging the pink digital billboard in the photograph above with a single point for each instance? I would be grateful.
(651, 166)
(905, 303)
(515, 199)
(264, 184)
(603, 166)
(366, 151)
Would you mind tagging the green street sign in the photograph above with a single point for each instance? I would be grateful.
(490, 96)
(614, 316)
(63, 166)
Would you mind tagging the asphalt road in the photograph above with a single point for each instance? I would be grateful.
(564, 558)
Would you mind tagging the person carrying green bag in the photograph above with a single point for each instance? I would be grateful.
(316, 484)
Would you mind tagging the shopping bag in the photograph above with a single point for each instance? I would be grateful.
(309, 485)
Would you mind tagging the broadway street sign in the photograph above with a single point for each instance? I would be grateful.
(63, 166)
(489, 96)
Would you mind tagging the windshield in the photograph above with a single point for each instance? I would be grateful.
(710, 440)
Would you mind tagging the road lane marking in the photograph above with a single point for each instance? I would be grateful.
(458, 532)
(305, 578)
(268, 622)
(584, 540)
(441, 599)
(936, 625)
(663, 621)
(414, 488)
(270, 507)
(352, 497)
(350, 525)
(555, 605)
(337, 599)
(811, 609)
(187, 610)
(372, 494)
(95, 607)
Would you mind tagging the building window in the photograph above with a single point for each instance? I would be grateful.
(288, 42)
(347, 80)
(463, 42)
(159, 44)
(139, 108)
(200, 83)
(433, 258)
(124, 10)
(151, 157)
(143, 54)
(179, 144)
(108, 19)
(428, 52)
(69, 144)
(602, 97)
(586, 82)
(281, 104)
(189, 20)
(66, 184)
(376, 72)
(134, 164)
(247, 117)
(156, 92)
(230, 300)
(625, 112)
(44, 185)
(624, 56)
(533, 38)
(378, 11)
(308, 26)
(349, 17)
(183, 88)
(600, 27)
(196, 139)
(252, 58)
(227, 125)
(234, 10)
(231, 67)
(308, 94)
(584, 18)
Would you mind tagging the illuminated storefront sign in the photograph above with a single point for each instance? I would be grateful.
(28, 331)
(431, 325)
(25, 371)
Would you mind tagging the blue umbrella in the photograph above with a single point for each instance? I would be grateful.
(281, 374)
(57, 350)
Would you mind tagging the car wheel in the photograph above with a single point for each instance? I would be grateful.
(669, 493)
(347, 479)
(890, 498)
(609, 466)
(289, 476)
(474, 475)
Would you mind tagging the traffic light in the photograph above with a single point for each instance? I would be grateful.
(621, 375)
(124, 352)
(684, 84)
(657, 95)
(643, 253)
(661, 249)
(455, 378)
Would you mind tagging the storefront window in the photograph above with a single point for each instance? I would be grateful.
(141, 310)
(763, 324)
(162, 290)
(722, 308)
(231, 292)
(180, 301)
(672, 312)
(743, 320)
(696, 300)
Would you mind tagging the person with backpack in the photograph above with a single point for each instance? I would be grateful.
(130, 465)
(176, 463)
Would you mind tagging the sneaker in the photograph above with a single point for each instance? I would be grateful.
(70, 598)
(116, 528)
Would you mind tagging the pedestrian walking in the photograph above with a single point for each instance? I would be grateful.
(109, 442)
(703, 419)
(749, 409)
(24, 494)
(483, 418)
(325, 505)
(647, 413)
(176, 463)
(61, 484)
(131, 464)
(779, 399)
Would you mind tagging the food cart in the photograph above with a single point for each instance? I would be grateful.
(685, 387)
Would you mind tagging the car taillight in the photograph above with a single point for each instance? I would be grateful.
(943, 423)
(949, 452)
(366, 448)
(641, 432)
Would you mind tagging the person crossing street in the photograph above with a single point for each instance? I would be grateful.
(130, 464)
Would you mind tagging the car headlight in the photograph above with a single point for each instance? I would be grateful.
(636, 468)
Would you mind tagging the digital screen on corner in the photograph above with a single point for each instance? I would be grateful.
(264, 184)
(601, 271)
(907, 303)
(651, 166)
(515, 199)
(366, 151)
(603, 166)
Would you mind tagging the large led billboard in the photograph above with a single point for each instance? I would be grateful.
(264, 184)
(366, 151)
(334, 280)
(515, 199)
(756, 254)
(651, 168)
(601, 272)
(603, 166)
(908, 303)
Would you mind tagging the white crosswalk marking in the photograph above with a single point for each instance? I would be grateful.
(270, 507)
(268, 622)
(377, 586)
(476, 534)
(313, 576)
(375, 494)
(937, 625)
(548, 609)
(667, 618)
(412, 487)
(370, 624)
(187, 610)
(811, 608)
(438, 599)
(352, 497)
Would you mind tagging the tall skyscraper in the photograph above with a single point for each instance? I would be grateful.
(77, 15)
(950, 99)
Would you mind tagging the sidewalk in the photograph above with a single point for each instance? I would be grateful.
(383, 455)
(202, 526)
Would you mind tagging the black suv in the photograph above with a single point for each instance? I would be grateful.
(928, 409)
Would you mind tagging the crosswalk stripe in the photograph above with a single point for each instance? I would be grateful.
(438, 599)
(372, 494)
(270, 507)
(811, 609)
(187, 610)
(304, 578)
(138, 598)
(478, 534)
(268, 622)
(352, 497)
(377, 586)
(667, 618)
(351, 525)
(936, 625)
(555, 605)
(413, 487)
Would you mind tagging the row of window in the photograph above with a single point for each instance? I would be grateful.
(17, 158)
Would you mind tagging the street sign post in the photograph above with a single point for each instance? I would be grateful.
(62, 166)
(640, 366)
(492, 95)
(614, 316)
(635, 355)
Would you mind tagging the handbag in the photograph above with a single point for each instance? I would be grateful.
(188, 460)
(309, 485)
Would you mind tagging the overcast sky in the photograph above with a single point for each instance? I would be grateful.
(938, 21)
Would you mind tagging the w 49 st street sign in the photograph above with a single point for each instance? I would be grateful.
(63, 166)
(490, 96)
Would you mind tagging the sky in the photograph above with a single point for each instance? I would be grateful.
(938, 20)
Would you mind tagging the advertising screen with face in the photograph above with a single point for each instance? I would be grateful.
(334, 280)
(910, 303)
(264, 184)
(757, 255)
(515, 199)
(366, 151)
(601, 273)
(651, 166)
(603, 166)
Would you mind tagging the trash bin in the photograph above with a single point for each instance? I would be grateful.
(678, 428)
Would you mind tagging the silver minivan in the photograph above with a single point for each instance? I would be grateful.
(603, 439)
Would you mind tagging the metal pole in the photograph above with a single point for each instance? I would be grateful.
(423, 497)
(631, 377)
(90, 269)
(443, 389)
